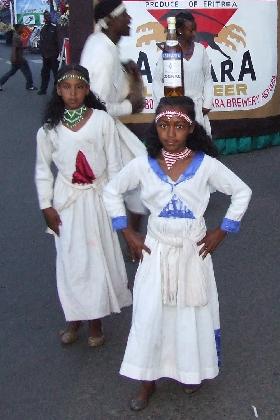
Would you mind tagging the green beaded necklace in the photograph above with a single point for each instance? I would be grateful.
(72, 117)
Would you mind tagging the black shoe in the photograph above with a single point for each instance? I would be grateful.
(1, 89)
(31, 88)
(41, 92)
(139, 404)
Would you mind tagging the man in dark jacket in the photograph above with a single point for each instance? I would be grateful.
(18, 62)
(49, 50)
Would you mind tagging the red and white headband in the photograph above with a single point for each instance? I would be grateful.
(171, 114)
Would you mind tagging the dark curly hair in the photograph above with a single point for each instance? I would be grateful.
(198, 140)
(55, 108)
(183, 17)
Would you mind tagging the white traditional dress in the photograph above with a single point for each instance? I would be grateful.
(198, 83)
(108, 80)
(173, 335)
(91, 276)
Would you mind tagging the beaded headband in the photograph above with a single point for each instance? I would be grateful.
(172, 114)
(73, 76)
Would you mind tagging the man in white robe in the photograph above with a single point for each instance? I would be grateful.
(118, 85)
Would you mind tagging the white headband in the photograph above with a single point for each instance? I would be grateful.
(102, 23)
(118, 11)
(172, 114)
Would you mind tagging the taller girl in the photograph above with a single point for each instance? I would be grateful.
(79, 137)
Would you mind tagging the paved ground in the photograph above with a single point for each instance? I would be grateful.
(40, 380)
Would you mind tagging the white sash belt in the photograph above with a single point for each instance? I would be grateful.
(183, 279)
(78, 188)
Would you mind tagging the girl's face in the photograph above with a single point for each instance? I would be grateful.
(73, 92)
(173, 132)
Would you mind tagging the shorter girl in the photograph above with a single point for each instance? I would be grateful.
(175, 328)
(80, 138)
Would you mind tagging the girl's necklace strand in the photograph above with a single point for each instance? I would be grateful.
(171, 158)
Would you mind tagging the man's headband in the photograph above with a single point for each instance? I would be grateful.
(72, 76)
(102, 23)
(171, 114)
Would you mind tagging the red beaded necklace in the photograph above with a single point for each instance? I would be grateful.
(171, 158)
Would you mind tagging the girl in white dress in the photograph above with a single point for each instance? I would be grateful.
(175, 328)
(80, 138)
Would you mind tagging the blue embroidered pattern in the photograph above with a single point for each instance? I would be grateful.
(230, 225)
(176, 208)
(218, 345)
(119, 223)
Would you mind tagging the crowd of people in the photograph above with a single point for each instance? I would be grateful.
(106, 179)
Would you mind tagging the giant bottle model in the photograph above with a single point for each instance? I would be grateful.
(172, 55)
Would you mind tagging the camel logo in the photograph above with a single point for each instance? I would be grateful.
(231, 34)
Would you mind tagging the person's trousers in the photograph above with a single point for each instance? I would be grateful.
(49, 64)
(24, 68)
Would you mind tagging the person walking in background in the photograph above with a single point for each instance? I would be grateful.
(175, 329)
(79, 137)
(18, 62)
(49, 50)
(118, 85)
(198, 83)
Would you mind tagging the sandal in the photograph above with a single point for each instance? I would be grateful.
(68, 337)
(96, 341)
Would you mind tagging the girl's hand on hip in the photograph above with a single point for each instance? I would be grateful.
(211, 241)
(136, 243)
(52, 219)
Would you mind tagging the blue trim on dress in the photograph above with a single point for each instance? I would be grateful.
(119, 223)
(187, 174)
(229, 225)
(192, 168)
(218, 345)
(176, 208)
(157, 169)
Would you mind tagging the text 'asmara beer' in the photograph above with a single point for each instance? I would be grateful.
(172, 62)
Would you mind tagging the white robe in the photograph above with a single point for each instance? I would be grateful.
(174, 340)
(108, 80)
(198, 83)
(91, 276)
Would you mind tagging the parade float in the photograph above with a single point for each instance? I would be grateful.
(241, 42)
(241, 39)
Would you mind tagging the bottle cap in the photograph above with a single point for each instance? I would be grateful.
(171, 22)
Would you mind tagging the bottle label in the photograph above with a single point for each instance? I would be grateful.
(171, 42)
(171, 56)
(172, 70)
